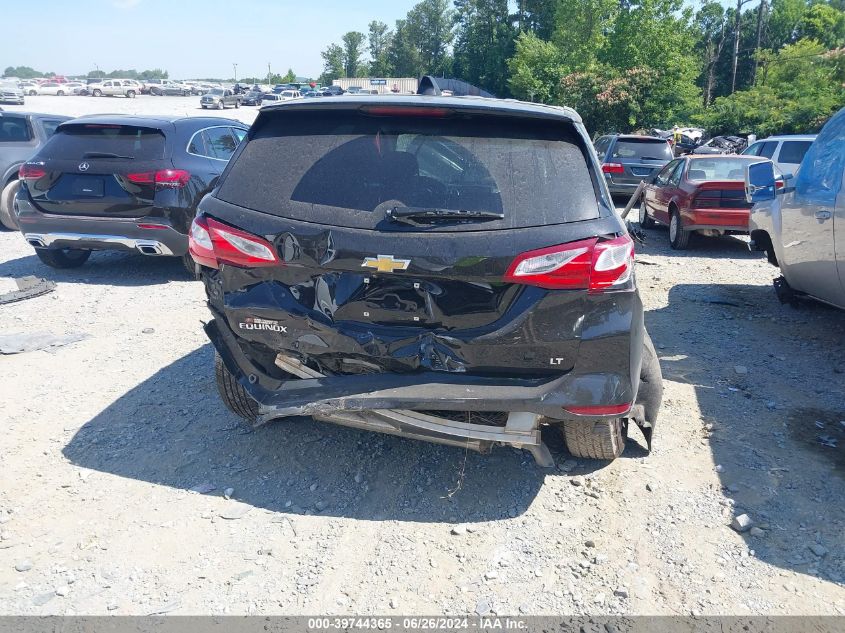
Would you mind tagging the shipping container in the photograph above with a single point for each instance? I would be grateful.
(381, 85)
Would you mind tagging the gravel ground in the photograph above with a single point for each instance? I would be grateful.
(127, 488)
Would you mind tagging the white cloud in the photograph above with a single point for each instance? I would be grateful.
(126, 4)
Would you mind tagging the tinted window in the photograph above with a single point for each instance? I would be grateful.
(14, 130)
(72, 141)
(221, 142)
(49, 126)
(215, 91)
(768, 149)
(601, 146)
(717, 168)
(349, 169)
(197, 144)
(793, 151)
(239, 133)
(645, 149)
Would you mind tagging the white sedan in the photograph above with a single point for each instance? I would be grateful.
(53, 88)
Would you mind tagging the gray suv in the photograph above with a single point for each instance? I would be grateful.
(21, 135)
(626, 159)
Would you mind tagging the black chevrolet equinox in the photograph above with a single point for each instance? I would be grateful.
(442, 268)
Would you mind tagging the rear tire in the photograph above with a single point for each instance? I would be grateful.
(594, 439)
(131, 94)
(7, 201)
(190, 265)
(60, 93)
(678, 236)
(233, 395)
(646, 221)
(65, 258)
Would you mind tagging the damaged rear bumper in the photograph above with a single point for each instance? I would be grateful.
(425, 390)
(398, 404)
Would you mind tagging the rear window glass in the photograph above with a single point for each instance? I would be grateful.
(72, 141)
(639, 150)
(350, 169)
(793, 151)
(14, 130)
(717, 168)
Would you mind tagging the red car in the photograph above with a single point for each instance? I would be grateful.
(698, 193)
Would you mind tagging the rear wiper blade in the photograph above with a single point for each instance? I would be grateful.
(409, 214)
(651, 158)
(105, 155)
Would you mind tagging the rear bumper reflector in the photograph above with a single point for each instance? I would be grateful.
(601, 409)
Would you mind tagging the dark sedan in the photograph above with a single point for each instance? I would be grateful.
(125, 183)
(252, 98)
(627, 159)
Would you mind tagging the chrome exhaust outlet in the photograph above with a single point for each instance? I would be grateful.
(36, 240)
(152, 248)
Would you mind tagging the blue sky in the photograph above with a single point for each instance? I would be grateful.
(188, 38)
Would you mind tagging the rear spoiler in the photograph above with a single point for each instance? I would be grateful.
(432, 86)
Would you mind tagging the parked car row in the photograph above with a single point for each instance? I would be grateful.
(794, 179)
(104, 87)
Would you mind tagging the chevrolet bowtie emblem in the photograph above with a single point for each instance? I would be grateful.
(386, 263)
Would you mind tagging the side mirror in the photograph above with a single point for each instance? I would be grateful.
(760, 181)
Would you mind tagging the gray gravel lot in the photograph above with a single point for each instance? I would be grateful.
(117, 452)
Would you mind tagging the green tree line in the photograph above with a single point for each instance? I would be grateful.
(761, 66)
(25, 72)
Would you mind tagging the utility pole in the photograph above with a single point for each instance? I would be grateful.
(236, 71)
(737, 17)
(760, 12)
(268, 73)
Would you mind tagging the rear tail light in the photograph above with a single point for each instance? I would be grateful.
(162, 179)
(591, 264)
(212, 243)
(613, 168)
(31, 171)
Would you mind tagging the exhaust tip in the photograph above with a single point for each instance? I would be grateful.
(150, 248)
(36, 243)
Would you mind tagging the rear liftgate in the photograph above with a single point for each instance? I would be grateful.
(522, 429)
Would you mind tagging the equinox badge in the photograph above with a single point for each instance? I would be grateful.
(386, 263)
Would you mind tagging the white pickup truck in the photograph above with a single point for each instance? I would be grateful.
(114, 88)
(801, 226)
